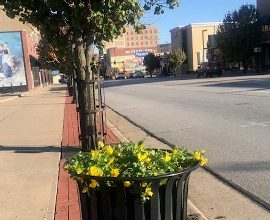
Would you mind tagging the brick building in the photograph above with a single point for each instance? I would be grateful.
(148, 38)
(127, 51)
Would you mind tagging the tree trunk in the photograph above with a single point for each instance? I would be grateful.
(82, 92)
(245, 65)
(91, 94)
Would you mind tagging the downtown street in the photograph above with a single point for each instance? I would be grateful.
(229, 117)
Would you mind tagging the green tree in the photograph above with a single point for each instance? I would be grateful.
(151, 62)
(80, 25)
(239, 34)
(176, 59)
(115, 70)
(55, 58)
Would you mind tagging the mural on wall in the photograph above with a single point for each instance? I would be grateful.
(128, 64)
(135, 63)
(12, 71)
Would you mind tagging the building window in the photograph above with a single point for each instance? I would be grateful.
(141, 37)
(141, 43)
(132, 44)
(127, 38)
(137, 43)
(128, 44)
(131, 38)
(136, 38)
(146, 31)
(150, 31)
(155, 31)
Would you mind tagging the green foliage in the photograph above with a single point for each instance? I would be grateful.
(129, 160)
(176, 59)
(82, 24)
(115, 70)
(55, 58)
(151, 62)
(103, 20)
(239, 33)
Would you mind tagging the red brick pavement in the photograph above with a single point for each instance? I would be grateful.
(67, 200)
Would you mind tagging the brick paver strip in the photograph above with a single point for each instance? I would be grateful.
(67, 199)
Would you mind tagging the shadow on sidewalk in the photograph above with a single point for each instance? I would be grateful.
(30, 149)
(58, 88)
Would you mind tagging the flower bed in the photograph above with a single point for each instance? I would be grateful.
(138, 172)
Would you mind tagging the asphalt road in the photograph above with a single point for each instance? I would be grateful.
(229, 117)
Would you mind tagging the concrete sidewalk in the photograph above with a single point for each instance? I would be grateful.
(31, 133)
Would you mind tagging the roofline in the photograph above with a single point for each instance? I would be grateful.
(196, 25)
(176, 28)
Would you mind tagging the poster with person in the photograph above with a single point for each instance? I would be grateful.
(12, 70)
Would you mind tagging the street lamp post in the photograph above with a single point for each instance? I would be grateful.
(203, 44)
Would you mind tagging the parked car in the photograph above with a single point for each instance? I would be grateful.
(120, 76)
(209, 69)
(129, 76)
(138, 74)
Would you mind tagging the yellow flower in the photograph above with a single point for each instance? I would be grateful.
(94, 153)
(148, 160)
(167, 157)
(140, 147)
(142, 157)
(203, 161)
(197, 155)
(101, 144)
(93, 184)
(127, 184)
(111, 160)
(144, 184)
(174, 152)
(202, 151)
(109, 150)
(115, 172)
(149, 165)
(94, 171)
(148, 191)
(85, 189)
(79, 170)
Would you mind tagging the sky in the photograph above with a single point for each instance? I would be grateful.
(192, 11)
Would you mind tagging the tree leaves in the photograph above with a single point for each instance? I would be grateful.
(151, 62)
(176, 59)
(239, 33)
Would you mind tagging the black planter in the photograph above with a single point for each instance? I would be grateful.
(169, 201)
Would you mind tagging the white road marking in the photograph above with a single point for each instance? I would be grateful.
(259, 124)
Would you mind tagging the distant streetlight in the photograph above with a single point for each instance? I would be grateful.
(203, 44)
